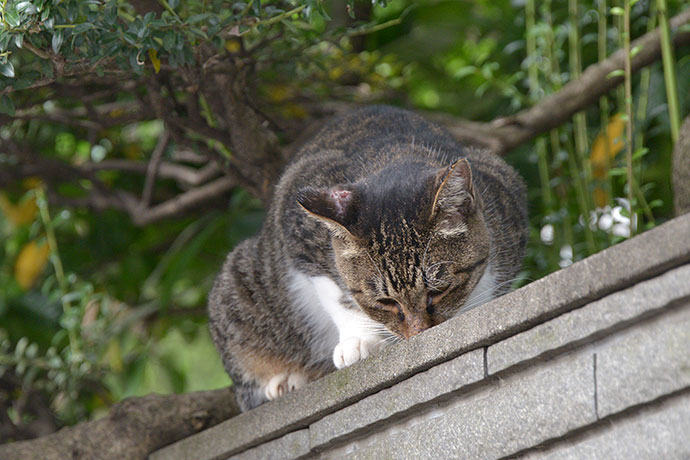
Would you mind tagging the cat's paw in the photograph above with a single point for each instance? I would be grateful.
(354, 349)
(283, 383)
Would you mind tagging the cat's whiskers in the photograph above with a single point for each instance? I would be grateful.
(390, 340)
(369, 325)
(484, 296)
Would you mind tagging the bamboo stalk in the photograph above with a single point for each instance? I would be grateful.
(669, 71)
(640, 116)
(580, 195)
(42, 203)
(645, 78)
(580, 126)
(604, 100)
(620, 90)
(561, 221)
(628, 113)
(533, 82)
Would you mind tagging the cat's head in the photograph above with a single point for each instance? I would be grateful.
(410, 242)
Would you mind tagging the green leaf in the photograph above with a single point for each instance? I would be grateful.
(640, 153)
(462, 72)
(56, 43)
(5, 37)
(617, 11)
(111, 13)
(616, 73)
(12, 18)
(7, 69)
(21, 346)
(6, 105)
(169, 40)
(83, 27)
(26, 7)
(198, 18)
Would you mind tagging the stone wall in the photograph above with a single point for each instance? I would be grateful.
(592, 361)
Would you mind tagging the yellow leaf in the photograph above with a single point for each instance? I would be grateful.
(294, 111)
(278, 93)
(601, 198)
(153, 55)
(335, 73)
(30, 262)
(233, 46)
(113, 355)
(32, 182)
(21, 214)
(610, 142)
(116, 113)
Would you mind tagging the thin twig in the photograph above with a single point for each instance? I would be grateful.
(152, 170)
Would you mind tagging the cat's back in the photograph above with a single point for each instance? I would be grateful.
(372, 132)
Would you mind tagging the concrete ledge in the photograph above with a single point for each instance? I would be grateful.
(596, 319)
(645, 362)
(395, 401)
(502, 418)
(524, 335)
(656, 432)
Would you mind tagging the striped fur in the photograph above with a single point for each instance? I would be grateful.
(381, 227)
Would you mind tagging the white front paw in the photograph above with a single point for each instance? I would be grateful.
(281, 384)
(353, 349)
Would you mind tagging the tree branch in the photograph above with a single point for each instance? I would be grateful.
(193, 199)
(132, 429)
(183, 175)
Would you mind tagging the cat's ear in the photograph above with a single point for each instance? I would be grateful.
(454, 196)
(336, 207)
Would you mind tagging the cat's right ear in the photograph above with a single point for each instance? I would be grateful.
(336, 207)
(455, 199)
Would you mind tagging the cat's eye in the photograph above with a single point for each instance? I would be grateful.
(401, 316)
(388, 304)
(432, 298)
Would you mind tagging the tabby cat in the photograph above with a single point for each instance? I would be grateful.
(381, 227)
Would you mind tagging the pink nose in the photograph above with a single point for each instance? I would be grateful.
(416, 326)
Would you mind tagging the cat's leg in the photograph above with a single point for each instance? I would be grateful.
(359, 336)
(260, 372)
(271, 376)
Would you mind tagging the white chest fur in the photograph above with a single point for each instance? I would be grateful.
(346, 334)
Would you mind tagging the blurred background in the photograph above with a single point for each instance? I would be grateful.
(95, 307)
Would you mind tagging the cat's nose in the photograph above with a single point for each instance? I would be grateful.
(416, 324)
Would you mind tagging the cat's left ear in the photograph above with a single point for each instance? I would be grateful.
(336, 207)
(455, 198)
